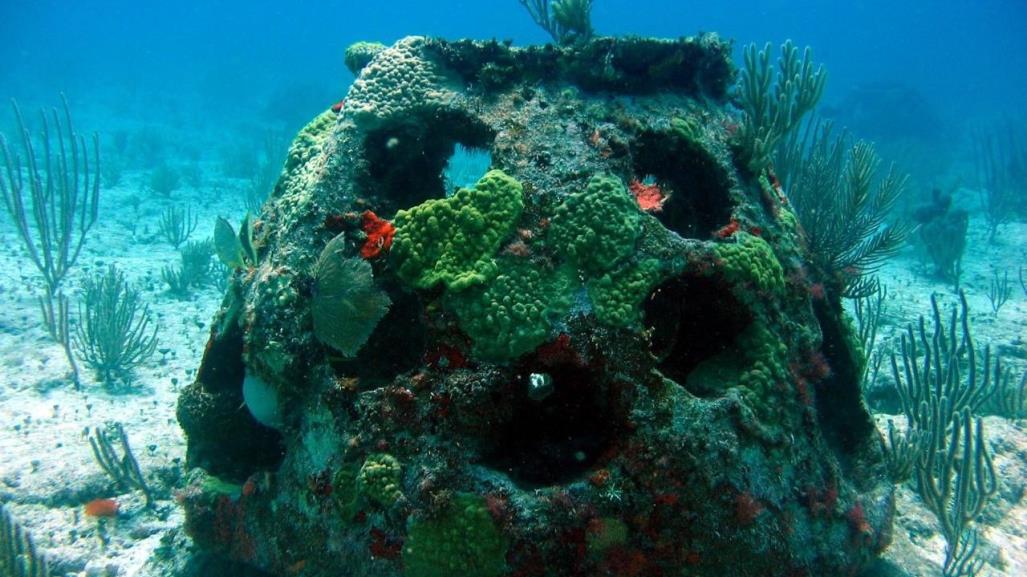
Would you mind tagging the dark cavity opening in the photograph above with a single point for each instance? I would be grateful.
(556, 439)
(396, 346)
(214, 404)
(204, 563)
(695, 183)
(847, 426)
(407, 161)
(691, 319)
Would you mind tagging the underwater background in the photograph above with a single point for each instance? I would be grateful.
(214, 59)
(195, 105)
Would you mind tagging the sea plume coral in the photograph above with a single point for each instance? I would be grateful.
(346, 305)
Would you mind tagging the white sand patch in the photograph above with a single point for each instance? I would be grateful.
(47, 470)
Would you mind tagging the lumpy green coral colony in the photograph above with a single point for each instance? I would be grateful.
(453, 241)
(506, 303)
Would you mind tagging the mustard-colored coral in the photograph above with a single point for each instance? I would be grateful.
(597, 227)
(462, 540)
(452, 240)
(510, 316)
(380, 479)
(617, 295)
(749, 259)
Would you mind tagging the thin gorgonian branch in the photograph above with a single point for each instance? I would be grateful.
(52, 197)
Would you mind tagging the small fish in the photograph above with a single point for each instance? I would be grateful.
(102, 508)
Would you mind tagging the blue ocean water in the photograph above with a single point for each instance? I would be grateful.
(963, 58)
(195, 104)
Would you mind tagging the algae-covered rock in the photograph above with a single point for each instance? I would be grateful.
(601, 359)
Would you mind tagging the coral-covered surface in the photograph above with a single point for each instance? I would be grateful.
(579, 374)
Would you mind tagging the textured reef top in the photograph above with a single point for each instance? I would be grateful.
(696, 64)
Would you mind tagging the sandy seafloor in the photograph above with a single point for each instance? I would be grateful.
(47, 471)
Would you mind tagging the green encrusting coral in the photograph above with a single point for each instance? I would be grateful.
(452, 240)
(511, 315)
(617, 295)
(217, 487)
(767, 354)
(505, 304)
(345, 490)
(463, 540)
(302, 169)
(380, 479)
(751, 260)
(597, 227)
(310, 139)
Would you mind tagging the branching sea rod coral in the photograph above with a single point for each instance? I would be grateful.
(19, 556)
(843, 201)
(774, 104)
(123, 468)
(53, 203)
(954, 471)
(115, 332)
(63, 190)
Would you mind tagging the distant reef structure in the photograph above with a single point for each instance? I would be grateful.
(603, 358)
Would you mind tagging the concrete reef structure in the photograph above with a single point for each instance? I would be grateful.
(602, 359)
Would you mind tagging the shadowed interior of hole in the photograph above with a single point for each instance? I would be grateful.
(691, 319)
(406, 162)
(396, 346)
(214, 403)
(696, 184)
(558, 439)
